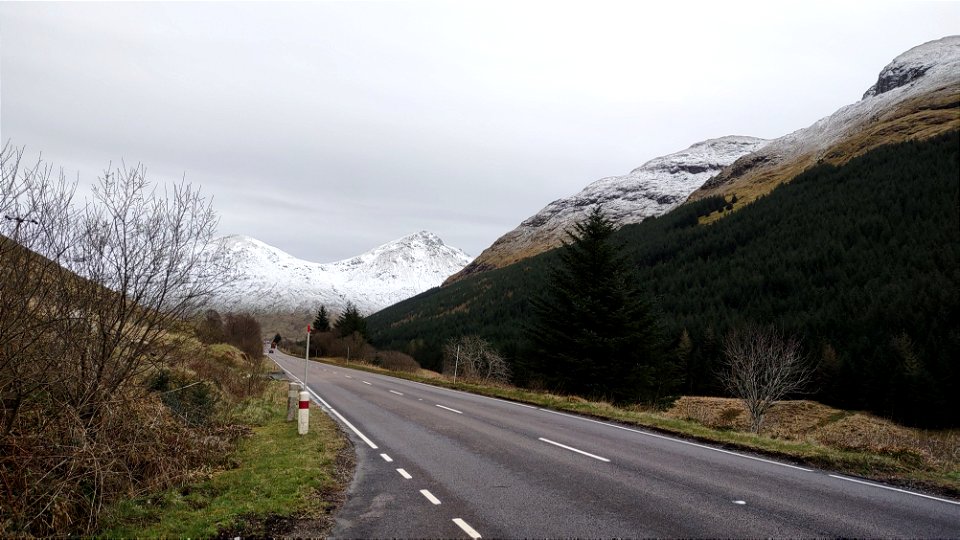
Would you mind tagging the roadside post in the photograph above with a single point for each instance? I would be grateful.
(292, 396)
(456, 364)
(303, 418)
(306, 358)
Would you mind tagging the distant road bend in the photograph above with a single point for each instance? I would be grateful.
(433, 462)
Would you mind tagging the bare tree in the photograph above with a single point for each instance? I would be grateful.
(474, 359)
(762, 366)
(88, 298)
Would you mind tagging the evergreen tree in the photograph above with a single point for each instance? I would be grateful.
(594, 330)
(322, 322)
(351, 321)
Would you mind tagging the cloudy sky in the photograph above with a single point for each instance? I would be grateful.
(329, 128)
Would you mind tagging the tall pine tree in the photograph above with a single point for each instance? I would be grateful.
(322, 322)
(593, 328)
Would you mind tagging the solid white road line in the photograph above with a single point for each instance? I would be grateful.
(397, 393)
(881, 486)
(386, 458)
(449, 409)
(681, 441)
(355, 430)
(471, 532)
(430, 496)
(404, 474)
(334, 411)
(572, 449)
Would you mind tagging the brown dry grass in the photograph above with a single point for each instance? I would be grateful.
(812, 422)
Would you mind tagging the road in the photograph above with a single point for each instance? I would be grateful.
(433, 462)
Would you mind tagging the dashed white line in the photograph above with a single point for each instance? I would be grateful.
(471, 532)
(347, 376)
(429, 496)
(397, 393)
(740, 502)
(404, 474)
(387, 458)
(681, 441)
(572, 449)
(365, 382)
(881, 486)
(449, 409)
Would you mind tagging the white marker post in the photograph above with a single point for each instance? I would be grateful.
(456, 364)
(306, 358)
(292, 395)
(303, 418)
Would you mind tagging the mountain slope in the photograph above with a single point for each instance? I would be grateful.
(268, 279)
(649, 190)
(859, 261)
(916, 96)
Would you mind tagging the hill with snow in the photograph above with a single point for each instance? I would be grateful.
(916, 96)
(266, 279)
(652, 189)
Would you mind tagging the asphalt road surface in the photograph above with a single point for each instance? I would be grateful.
(433, 462)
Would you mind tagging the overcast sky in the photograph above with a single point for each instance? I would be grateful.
(326, 129)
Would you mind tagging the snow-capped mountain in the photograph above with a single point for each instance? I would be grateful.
(915, 96)
(652, 189)
(265, 278)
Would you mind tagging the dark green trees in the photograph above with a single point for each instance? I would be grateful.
(593, 329)
(322, 322)
(351, 321)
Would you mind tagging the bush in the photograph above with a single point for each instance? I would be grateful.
(396, 361)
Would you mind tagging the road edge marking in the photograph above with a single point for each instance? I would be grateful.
(891, 488)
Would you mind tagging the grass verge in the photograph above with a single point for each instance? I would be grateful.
(275, 483)
(907, 465)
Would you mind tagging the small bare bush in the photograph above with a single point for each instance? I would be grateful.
(474, 359)
(762, 366)
(396, 361)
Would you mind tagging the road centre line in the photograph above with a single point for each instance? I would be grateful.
(429, 496)
(397, 393)
(891, 488)
(404, 474)
(449, 409)
(387, 458)
(681, 441)
(347, 376)
(471, 532)
(572, 449)
(365, 382)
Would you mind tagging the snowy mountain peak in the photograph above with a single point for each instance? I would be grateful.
(915, 64)
(268, 279)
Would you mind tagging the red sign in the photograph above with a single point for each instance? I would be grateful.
(309, 330)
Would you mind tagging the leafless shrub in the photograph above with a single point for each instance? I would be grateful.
(243, 332)
(88, 296)
(761, 366)
(396, 361)
(473, 358)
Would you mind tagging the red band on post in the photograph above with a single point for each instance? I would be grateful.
(304, 404)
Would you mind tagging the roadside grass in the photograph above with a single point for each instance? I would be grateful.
(802, 432)
(274, 480)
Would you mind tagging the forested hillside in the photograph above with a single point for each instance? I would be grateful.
(861, 261)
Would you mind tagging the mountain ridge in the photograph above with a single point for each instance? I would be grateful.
(649, 190)
(269, 279)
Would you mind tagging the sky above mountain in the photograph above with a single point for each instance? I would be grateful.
(327, 128)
